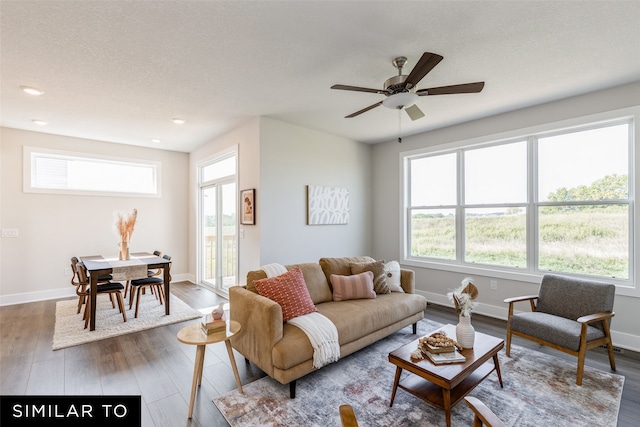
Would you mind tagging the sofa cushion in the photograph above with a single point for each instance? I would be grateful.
(313, 276)
(354, 319)
(356, 286)
(392, 274)
(377, 268)
(340, 266)
(290, 291)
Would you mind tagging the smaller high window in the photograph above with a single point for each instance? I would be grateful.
(53, 171)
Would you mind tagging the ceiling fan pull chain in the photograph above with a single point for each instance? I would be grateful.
(399, 125)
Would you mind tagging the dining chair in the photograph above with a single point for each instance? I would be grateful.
(152, 282)
(75, 282)
(150, 273)
(83, 290)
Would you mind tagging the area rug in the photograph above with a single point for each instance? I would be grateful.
(69, 328)
(539, 389)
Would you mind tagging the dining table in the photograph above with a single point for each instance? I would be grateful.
(136, 267)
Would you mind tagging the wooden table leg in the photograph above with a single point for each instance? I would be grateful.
(395, 385)
(167, 298)
(232, 359)
(197, 376)
(496, 363)
(93, 298)
(446, 397)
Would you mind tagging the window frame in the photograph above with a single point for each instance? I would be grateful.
(28, 179)
(529, 274)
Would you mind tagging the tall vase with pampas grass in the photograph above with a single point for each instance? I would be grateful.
(124, 225)
(464, 299)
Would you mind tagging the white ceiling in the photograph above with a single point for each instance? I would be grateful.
(120, 71)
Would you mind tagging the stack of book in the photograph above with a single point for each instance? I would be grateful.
(209, 325)
(446, 357)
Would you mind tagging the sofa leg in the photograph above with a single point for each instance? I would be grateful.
(415, 328)
(292, 389)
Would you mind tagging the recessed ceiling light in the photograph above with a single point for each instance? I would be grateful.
(31, 90)
(155, 140)
(178, 121)
(39, 122)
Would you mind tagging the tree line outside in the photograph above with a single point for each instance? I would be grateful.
(579, 238)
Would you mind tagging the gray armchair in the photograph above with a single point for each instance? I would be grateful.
(569, 314)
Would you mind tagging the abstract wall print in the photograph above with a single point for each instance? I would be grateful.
(327, 205)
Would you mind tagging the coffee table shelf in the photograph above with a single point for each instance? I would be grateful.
(432, 393)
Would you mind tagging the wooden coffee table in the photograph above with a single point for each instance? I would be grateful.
(445, 385)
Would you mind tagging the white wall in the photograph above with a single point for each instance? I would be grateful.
(53, 228)
(247, 140)
(434, 284)
(278, 160)
(292, 157)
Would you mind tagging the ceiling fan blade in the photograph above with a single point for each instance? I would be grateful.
(414, 112)
(453, 89)
(357, 89)
(364, 110)
(422, 68)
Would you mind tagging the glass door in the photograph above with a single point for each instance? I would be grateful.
(218, 225)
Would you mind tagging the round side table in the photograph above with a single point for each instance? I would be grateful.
(193, 335)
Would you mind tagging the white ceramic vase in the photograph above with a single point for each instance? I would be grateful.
(465, 333)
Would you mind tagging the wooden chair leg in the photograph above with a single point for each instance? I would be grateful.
(121, 305)
(81, 299)
(126, 288)
(160, 293)
(507, 349)
(607, 332)
(138, 300)
(132, 296)
(113, 303)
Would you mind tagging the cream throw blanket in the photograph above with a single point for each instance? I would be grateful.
(321, 331)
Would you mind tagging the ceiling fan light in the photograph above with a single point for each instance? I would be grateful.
(400, 100)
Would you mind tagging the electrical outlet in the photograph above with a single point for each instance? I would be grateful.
(9, 232)
(493, 285)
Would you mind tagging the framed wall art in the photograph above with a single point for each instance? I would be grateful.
(327, 205)
(248, 203)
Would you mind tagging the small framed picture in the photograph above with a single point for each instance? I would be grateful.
(248, 205)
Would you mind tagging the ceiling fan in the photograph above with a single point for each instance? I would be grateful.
(401, 91)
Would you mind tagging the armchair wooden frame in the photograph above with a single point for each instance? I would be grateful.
(584, 344)
(482, 414)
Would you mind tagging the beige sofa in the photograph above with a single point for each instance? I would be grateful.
(284, 352)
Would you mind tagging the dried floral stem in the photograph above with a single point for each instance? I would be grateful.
(125, 224)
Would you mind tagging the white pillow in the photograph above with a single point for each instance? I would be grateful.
(392, 276)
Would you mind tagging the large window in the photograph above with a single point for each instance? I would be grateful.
(552, 201)
(54, 171)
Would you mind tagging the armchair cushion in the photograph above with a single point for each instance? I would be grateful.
(555, 329)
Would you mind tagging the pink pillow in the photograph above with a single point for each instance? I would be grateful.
(356, 286)
(290, 291)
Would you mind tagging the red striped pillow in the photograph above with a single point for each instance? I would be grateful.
(290, 291)
(356, 286)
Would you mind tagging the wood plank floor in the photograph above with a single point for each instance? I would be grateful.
(154, 365)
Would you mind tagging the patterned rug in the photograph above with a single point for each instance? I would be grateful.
(69, 326)
(539, 389)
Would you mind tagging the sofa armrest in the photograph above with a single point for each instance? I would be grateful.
(261, 321)
(407, 281)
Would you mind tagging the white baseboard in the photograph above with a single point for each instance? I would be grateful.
(620, 339)
(66, 292)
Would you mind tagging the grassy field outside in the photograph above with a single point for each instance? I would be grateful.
(591, 241)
